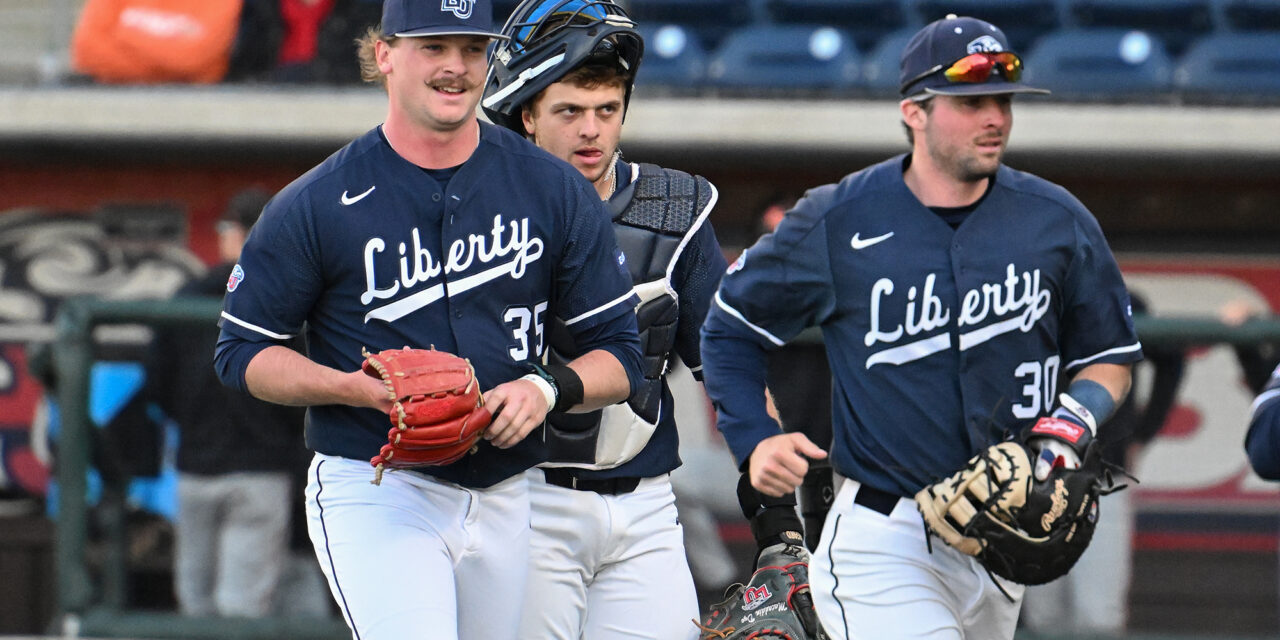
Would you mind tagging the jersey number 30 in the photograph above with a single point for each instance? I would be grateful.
(1040, 386)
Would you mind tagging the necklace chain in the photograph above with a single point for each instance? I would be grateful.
(613, 174)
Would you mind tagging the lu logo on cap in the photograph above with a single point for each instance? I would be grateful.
(460, 8)
(417, 18)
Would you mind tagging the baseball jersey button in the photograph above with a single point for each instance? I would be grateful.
(435, 197)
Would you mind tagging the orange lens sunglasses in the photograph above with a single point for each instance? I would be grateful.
(977, 67)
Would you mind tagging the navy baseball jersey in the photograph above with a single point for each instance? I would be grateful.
(1262, 442)
(941, 341)
(369, 251)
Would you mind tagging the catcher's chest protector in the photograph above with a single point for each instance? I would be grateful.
(651, 226)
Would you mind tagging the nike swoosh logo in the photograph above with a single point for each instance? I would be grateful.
(859, 243)
(350, 200)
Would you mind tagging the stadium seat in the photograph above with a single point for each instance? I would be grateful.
(673, 58)
(710, 19)
(1231, 67)
(1175, 22)
(1021, 20)
(767, 57)
(880, 68)
(866, 20)
(1250, 15)
(502, 10)
(1100, 64)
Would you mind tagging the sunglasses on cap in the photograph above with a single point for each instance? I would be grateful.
(976, 68)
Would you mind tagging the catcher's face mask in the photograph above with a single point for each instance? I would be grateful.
(547, 40)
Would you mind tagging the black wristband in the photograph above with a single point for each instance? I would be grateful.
(565, 382)
(753, 502)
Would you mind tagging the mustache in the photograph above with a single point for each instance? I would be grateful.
(446, 83)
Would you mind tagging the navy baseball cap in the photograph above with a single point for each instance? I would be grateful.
(942, 43)
(411, 18)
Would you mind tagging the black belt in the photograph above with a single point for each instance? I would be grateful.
(876, 500)
(565, 478)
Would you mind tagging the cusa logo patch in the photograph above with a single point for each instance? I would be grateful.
(738, 264)
(236, 277)
(753, 597)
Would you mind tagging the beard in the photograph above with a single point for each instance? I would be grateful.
(963, 164)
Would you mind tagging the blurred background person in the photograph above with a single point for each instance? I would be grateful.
(799, 379)
(237, 457)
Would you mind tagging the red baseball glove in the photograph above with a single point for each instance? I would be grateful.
(437, 412)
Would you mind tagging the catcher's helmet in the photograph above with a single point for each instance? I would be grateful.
(547, 40)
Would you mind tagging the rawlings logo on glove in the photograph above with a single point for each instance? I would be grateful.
(437, 413)
(1026, 512)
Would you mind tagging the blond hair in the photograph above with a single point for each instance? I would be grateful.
(366, 52)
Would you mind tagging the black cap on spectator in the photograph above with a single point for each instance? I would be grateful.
(245, 207)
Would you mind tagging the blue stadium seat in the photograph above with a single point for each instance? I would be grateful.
(1249, 15)
(866, 20)
(880, 67)
(1100, 64)
(1231, 67)
(767, 57)
(673, 58)
(1175, 22)
(1023, 21)
(711, 19)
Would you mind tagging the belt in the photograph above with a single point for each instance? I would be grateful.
(565, 478)
(881, 502)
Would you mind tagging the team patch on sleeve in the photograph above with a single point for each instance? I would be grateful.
(739, 263)
(236, 277)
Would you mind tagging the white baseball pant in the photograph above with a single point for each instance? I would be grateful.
(607, 567)
(418, 558)
(873, 577)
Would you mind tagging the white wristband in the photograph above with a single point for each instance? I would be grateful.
(1080, 411)
(544, 387)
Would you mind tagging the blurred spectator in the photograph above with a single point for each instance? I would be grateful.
(1258, 359)
(301, 41)
(799, 379)
(1261, 365)
(1094, 596)
(236, 457)
(143, 41)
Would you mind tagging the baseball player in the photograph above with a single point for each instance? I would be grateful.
(431, 230)
(605, 529)
(951, 292)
